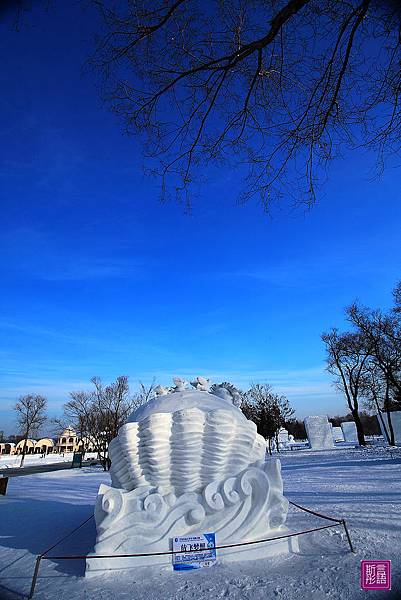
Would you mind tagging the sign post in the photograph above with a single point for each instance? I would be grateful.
(3, 485)
(195, 551)
(77, 460)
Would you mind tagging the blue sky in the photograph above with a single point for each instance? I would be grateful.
(99, 278)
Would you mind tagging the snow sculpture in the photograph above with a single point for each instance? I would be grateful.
(201, 383)
(349, 431)
(179, 384)
(283, 435)
(188, 462)
(160, 390)
(319, 434)
(338, 435)
(396, 424)
(283, 438)
(228, 392)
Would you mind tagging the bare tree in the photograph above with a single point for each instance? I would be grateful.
(97, 415)
(80, 413)
(376, 390)
(31, 417)
(269, 411)
(347, 356)
(144, 394)
(277, 86)
(382, 332)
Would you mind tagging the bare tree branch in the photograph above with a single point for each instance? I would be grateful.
(277, 88)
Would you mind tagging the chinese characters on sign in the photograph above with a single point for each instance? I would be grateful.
(376, 574)
(196, 551)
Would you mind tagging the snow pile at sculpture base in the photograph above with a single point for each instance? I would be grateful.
(361, 485)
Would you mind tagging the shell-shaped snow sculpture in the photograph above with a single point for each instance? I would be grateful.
(181, 442)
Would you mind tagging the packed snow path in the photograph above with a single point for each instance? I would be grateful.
(364, 486)
(13, 461)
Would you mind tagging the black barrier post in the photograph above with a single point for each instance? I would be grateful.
(35, 576)
(3, 485)
(343, 521)
(42, 556)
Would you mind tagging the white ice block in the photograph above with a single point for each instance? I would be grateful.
(319, 433)
(349, 431)
(338, 435)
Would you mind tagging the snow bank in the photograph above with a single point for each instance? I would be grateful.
(363, 485)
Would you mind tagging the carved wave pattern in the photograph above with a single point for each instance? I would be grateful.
(183, 451)
(245, 507)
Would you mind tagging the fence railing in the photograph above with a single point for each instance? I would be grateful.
(45, 555)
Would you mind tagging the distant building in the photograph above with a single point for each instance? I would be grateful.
(68, 441)
(29, 447)
(44, 446)
(7, 448)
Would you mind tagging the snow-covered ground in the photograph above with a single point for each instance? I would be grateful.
(364, 486)
(13, 460)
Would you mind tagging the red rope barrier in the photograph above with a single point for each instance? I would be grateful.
(312, 512)
(66, 536)
(170, 552)
(279, 537)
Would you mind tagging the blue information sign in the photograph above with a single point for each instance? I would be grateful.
(196, 551)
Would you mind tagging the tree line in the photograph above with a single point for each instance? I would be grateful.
(366, 362)
(97, 414)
